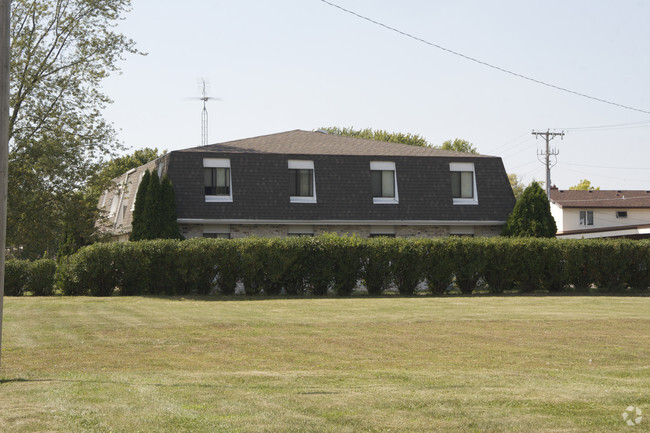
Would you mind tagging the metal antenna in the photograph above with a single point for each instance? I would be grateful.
(204, 114)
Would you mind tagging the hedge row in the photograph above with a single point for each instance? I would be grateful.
(331, 264)
(36, 277)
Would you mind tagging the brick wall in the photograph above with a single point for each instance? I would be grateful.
(269, 230)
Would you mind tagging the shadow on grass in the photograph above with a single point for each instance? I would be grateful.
(421, 295)
(162, 385)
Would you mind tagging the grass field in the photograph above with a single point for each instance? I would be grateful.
(456, 364)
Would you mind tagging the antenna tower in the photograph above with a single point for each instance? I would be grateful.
(204, 114)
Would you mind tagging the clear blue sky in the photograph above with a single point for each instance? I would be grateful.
(302, 64)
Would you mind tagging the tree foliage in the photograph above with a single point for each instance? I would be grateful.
(585, 185)
(531, 216)
(516, 185)
(154, 216)
(116, 167)
(379, 135)
(138, 223)
(61, 50)
(458, 145)
(168, 217)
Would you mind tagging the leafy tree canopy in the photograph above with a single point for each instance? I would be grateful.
(61, 50)
(120, 165)
(459, 145)
(517, 185)
(379, 135)
(584, 184)
(531, 216)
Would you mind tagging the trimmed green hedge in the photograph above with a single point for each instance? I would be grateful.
(339, 265)
(23, 276)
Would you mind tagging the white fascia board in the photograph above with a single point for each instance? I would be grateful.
(342, 222)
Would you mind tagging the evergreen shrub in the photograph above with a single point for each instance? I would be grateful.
(16, 277)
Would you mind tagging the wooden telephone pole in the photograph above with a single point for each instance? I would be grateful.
(548, 136)
(5, 57)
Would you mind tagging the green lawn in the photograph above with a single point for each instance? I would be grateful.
(456, 364)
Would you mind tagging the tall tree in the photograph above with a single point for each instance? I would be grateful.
(138, 226)
(379, 135)
(154, 216)
(459, 145)
(584, 184)
(61, 50)
(516, 185)
(169, 220)
(152, 208)
(531, 216)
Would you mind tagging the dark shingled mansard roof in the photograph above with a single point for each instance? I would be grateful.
(300, 142)
(260, 181)
(601, 199)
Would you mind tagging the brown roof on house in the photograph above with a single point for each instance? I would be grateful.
(300, 142)
(601, 198)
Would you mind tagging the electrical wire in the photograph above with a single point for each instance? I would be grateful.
(603, 166)
(480, 62)
(614, 127)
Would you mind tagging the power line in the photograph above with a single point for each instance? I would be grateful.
(604, 166)
(480, 62)
(633, 125)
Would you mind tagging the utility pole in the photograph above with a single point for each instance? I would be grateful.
(548, 136)
(5, 57)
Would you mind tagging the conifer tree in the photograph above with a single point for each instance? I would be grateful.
(152, 209)
(138, 225)
(531, 216)
(168, 210)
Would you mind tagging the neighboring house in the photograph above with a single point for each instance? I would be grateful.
(601, 214)
(307, 183)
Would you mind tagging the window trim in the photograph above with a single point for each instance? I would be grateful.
(465, 166)
(219, 163)
(299, 164)
(621, 214)
(385, 166)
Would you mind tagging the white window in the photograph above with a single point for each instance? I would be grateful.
(463, 183)
(115, 202)
(461, 231)
(382, 231)
(383, 180)
(302, 182)
(300, 231)
(217, 179)
(586, 218)
(621, 214)
(216, 231)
